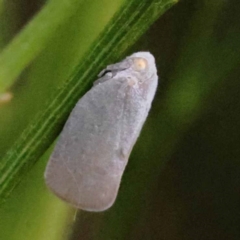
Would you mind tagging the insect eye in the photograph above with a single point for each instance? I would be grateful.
(140, 64)
(106, 73)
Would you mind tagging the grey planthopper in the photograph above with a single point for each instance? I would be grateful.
(87, 164)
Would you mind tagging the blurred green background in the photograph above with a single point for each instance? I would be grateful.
(183, 177)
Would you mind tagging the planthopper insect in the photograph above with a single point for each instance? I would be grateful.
(87, 164)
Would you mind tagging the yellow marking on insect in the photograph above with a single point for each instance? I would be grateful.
(140, 64)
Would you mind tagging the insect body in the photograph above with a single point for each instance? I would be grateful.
(86, 166)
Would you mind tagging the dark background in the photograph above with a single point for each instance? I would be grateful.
(196, 192)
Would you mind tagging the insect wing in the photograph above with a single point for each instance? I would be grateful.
(88, 161)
